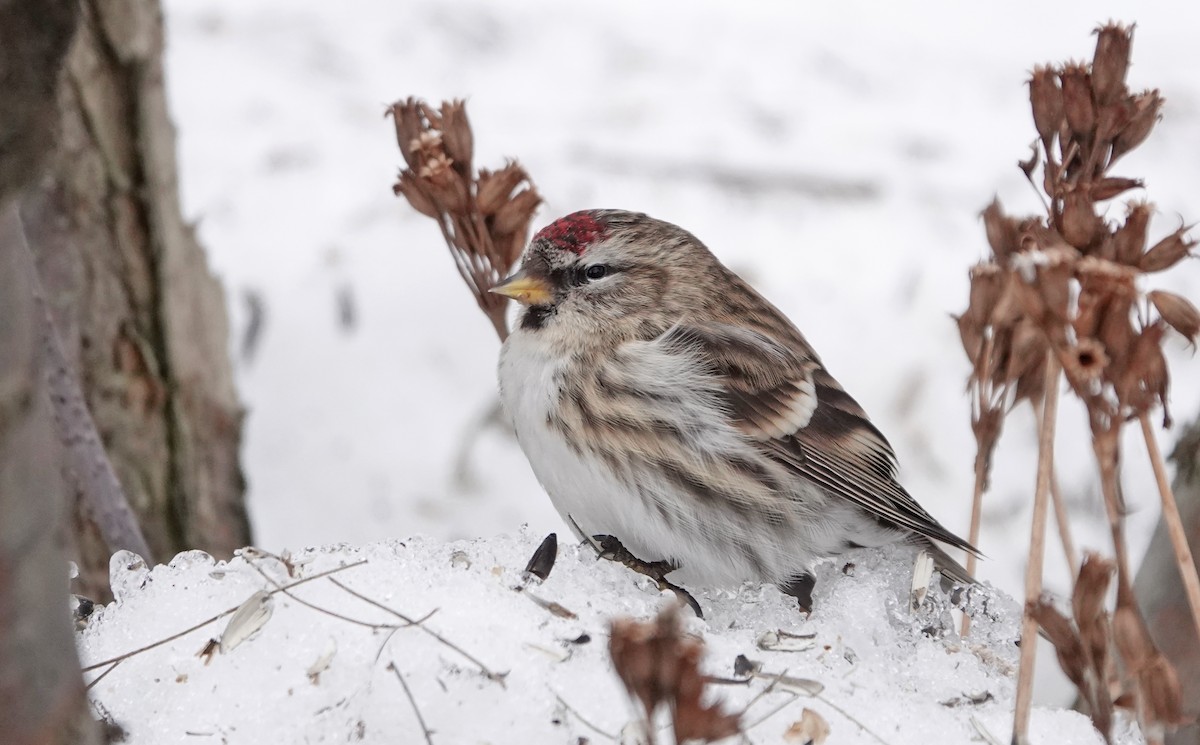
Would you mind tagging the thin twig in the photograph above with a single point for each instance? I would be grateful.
(219, 616)
(582, 720)
(1037, 545)
(326, 611)
(846, 714)
(102, 675)
(1063, 520)
(1179, 541)
(420, 719)
(498, 677)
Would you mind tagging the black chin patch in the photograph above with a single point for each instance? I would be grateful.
(535, 317)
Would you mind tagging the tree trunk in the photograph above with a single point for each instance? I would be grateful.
(141, 318)
(1160, 590)
(41, 693)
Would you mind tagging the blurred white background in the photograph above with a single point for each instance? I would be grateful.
(837, 155)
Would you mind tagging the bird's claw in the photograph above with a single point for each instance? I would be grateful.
(611, 548)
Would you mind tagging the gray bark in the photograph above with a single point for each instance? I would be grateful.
(41, 689)
(41, 692)
(1159, 588)
(140, 317)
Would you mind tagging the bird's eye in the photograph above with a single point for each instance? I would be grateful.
(596, 271)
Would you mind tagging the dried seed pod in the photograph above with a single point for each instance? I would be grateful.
(1177, 311)
(410, 187)
(1145, 378)
(1079, 223)
(1002, 231)
(1130, 238)
(1111, 62)
(1077, 101)
(1008, 309)
(1116, 331)
(1107, 188)
(986, 283)
(1085, 363)
(1046, 100)
(1147, 106)
(495, 188)
(514, 216)
(456, 133)
(971, 335)
(1054, 281)
(1027, 352)
(1168, 252)
(406, 115)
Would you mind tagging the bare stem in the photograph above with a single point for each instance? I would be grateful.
(413, 702)
(981, 467)
(1037, 546)
(1063, 521)
(1179, 542)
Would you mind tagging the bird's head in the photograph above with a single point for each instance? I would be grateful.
(603, 267)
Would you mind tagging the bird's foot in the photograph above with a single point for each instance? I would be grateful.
(801, 588)
(611, 548)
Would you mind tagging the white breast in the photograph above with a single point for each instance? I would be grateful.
(582, 492)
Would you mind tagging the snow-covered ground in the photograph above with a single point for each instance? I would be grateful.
(836, 154)
(508, 670)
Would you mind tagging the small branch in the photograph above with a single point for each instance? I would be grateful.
(88, 466)
(420, 719)
(585, 722)
(498, 677)
(1179, 541)
(1037, 545)
(219, 616)
(326, 611)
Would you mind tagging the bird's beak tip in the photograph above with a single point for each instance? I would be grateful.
(525, 289)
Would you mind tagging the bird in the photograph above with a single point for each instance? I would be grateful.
(662, 401)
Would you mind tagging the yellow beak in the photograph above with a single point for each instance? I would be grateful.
(525, 289)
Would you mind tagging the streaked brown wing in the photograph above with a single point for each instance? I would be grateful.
(783, 397)
(769, 390)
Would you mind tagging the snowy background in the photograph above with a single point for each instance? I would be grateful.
(837, 155)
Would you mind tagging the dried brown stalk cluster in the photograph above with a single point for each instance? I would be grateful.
(660, 666)
(1060, 292)
(484, 217)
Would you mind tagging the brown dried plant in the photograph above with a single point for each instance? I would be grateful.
(484, 217)
(660, 666)
(1058, 296)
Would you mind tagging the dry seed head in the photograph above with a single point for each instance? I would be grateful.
(411, 189)
(1147, 106)
(1130, 238)
(986, 283)
(1077, 101)
(1178, 312)
(515, 215)
(406, 115)
(1168, 252)
(1046, 100)
(1079, 223)
(457, 137)
(1027, 351)
(1086, 362)
(1111, 62)
(971, 335)
(496, 187)
(1002, 231)
(1107, 188)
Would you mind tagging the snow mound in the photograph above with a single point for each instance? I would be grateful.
(495, 664)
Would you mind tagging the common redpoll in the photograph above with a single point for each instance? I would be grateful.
(661, 400)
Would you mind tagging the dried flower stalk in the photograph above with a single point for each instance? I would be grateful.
(484, 217)
(660, 666)
(1062, 290)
